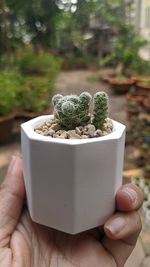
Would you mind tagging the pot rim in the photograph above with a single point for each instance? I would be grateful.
(117, 82)
(143, 86)
(28, 128)
(8, 117)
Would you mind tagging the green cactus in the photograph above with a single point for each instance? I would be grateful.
(100, 108)
(56, 99)
(72, 111)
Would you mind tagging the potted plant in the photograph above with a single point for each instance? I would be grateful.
(132, 109)
(143, 87)
(147, 171)
(33, 95)
(146, 135)
(145, 151)
(73, 163)
(134, 97)
(138, 78)
(39, 64)
(39, 73)
(146, 104)
(9, 86)
(120, 84)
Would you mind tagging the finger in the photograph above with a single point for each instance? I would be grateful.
(122, 231)
(123, 225)
(11, 199)
(129, 198)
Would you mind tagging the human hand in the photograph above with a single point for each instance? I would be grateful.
(24, 243)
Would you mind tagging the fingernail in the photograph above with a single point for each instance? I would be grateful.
(116, 225)
(132, 195)
(11, 164)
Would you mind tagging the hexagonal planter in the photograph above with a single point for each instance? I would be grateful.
(71, 183)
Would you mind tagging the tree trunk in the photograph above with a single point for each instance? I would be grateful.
(4, 28)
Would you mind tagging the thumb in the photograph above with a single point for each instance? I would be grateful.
(11, 200)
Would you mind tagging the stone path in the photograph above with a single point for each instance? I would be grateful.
(75, 82)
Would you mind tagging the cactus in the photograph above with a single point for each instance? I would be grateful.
(56, 99)
(100, 108)
(72, 111)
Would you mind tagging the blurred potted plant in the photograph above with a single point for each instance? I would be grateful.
(125, 51)
(39, 75)
(80, 62)
(120, 84)
(143, 87)
(146, 134)
(145, 150)
(9, 87)
(132, 96)
(139, 78)
(31, 64)
(132, 109)
(69, 156)
(33, 95)
(146, 104)
(147, 171)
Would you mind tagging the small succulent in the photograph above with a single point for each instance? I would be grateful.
(100, 108)
(73, 111)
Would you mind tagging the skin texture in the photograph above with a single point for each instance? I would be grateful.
(24, 243)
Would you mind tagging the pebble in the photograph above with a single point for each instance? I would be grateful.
(109, 125)
(98, 133)
(45, 127)
(109, 130)
(55, 136)
(60, 132)
(78, 131)
(91, 130)
(73, 135)
(64, 135)
(38, 131)
(104, 133)
(51, 132)
(39, 127)
(84, 136)
(48, 123)
(81, 128)
(52, 129)
(45, 133)
(55, 127)
(85, 132)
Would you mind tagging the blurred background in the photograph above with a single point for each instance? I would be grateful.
(67, 46)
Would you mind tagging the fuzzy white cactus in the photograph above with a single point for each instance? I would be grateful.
(73, 111)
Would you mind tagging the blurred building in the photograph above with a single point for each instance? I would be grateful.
(138, 13)
(102, 34)
(101, 30)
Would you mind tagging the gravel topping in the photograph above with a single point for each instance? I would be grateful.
(53, 129)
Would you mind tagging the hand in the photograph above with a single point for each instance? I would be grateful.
(24, 243)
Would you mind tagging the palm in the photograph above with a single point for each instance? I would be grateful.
(36, 246)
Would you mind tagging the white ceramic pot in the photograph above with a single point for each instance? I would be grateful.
(71, 183)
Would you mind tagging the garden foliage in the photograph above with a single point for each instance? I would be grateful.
(31, 85)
